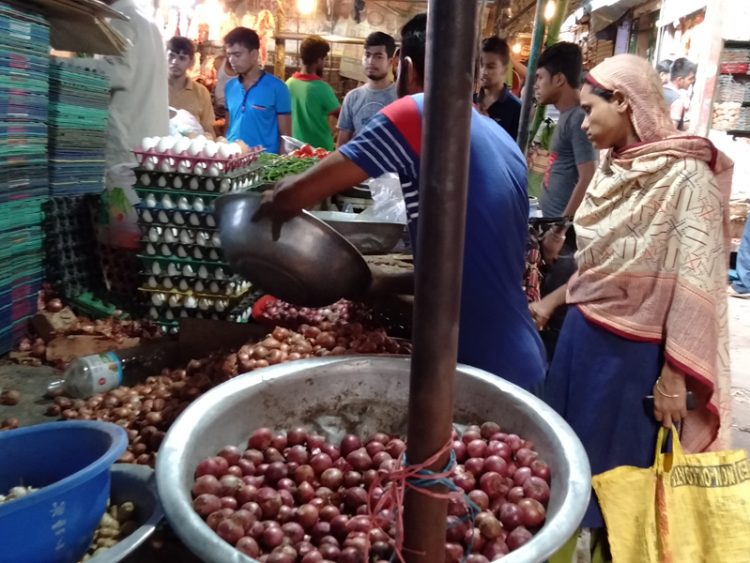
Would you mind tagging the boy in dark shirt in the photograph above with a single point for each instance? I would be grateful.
(495, 98)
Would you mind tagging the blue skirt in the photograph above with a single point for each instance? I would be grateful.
(597, 382)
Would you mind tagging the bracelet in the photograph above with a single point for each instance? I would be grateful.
(662, 393)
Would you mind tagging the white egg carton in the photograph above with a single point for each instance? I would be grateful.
(186, 268)
(199, 156)
(199, 185)
(148, 216)
(165, 250)
(227, 288)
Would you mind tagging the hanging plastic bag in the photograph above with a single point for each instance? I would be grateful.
(686, 508)
(117, 220)
(388, 201)
(182, 122)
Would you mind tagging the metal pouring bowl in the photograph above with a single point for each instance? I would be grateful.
(307, 264)
(370, 237)
(362, 394)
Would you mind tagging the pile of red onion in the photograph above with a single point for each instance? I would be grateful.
(285, 314)
(293, 497)
(147, 410)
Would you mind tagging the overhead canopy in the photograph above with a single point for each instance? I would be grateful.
(606, 12)
(81, 26)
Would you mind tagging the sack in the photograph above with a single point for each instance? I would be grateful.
(117, 220)
(687, 508)
(388, 200)
(184, 123)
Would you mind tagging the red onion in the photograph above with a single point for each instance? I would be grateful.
(229, 502)
(206, 484)
(332, 478)
(532, 512)
(515, 494)
(296, 437)
(470, 435)
(476, 448)
(536, 488)
(205, 504)
(510, 516)
(269, 501)
(248, 546)
(320, 462)
(540, 469)
(517, 538)
(230, 531)
(456, 529)
(272, 537)
(459, 448)
(231, 453)
(475, 466)
(492, 484)
(480, 498)
(307, 515)
(395, 448)
(521, 474)
(488, 429)
(260, 439)
(349, 443)
(465, 480)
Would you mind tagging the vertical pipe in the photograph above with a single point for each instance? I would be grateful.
(440, 244)
(528, 92)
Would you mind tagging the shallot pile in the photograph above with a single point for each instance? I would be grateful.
(293, 497)
(285, 314)
(146, 410)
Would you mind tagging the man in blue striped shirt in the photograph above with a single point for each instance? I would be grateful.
(496, 332)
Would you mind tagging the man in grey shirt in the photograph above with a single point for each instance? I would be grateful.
(364, 102)
(572, 164)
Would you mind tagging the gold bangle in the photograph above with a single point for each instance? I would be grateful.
(662, 393)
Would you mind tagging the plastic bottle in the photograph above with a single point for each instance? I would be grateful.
(98, 373)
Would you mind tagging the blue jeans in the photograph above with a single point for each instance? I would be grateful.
(742, 285)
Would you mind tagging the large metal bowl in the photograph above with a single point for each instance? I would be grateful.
(361, 395)
(304, 262)
(370, 237)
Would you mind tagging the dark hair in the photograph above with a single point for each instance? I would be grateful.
(243, 36)
(181, 46)
(663, 66)
(597, 89)
(563, 58)
(682, 68)
(378, 39)
(313, 48)
(497, 46)
(414, 41)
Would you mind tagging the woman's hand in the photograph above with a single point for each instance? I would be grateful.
(552, 243)
(670, 396)
(541, 311)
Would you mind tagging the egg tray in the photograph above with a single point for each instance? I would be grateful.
(182, 201)
(218, 288)
(183, 251)
(175, 299)
(228, 165)
(156, 234)
(174, 217)
(184, 267)
(197, 183)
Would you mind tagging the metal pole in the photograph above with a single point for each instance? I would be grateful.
(440, 242)
(528, 93)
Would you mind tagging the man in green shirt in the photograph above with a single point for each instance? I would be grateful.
(312, 99)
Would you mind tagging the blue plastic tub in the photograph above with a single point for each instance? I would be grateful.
(70, 463)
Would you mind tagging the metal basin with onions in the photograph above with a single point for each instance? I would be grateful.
(362, 395)
(302, 261)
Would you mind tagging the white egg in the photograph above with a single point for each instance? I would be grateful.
(145, 180)
(153, 234)
(169, 315)
(235, 149)
(210, 149)
(225, 151)
(183, 203)
(146, 216)
(196, 147)
(221, 305)
(210, 186)
(152, 282)
(203, 272)
(174, 301)
(199, 287)
(213, 255)
(150, 200)
(215, 240)
(155, 268)
(168, 284)
(204, 304)
(181, 252)
(191, 302)
(161, 182)
(194, 184)
(225, 186)
(170, 235)
(198, 204)
(153, 313)
(173, 270)
(219, 273)
(177, 183)
(202, 238)
(166, 166)
(165, 250)
(199, 169)
(184, 285)
(149, 165)
(166, 202)
(210, 221)
(195, 220)
(214, 170)
(198, 254)
(149, 143)
(185, 237)
(184, 167)
(158, 299)
(178, 218)
(150, 249)
(165, 144)
(214, 287)
(163, 217)
(188, 271)
(181, 146)
(184, 314)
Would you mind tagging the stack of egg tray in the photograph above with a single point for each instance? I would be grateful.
(182, 269)
(72, 261)
(24, 100)
(79, 99)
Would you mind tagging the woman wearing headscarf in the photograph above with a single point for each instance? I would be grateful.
(648, 302)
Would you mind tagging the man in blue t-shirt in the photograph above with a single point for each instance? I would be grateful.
(496, 332)
(259, 105)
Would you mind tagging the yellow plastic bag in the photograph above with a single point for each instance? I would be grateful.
(687, 508)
